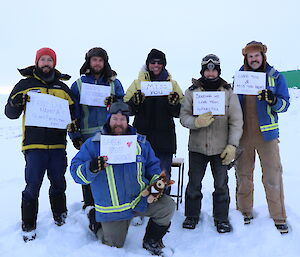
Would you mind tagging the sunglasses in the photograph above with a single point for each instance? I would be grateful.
(156, 61)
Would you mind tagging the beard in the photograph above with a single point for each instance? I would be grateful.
(118, 130)
(97, 71)
(45, 72)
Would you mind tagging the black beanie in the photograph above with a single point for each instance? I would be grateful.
(156, 54)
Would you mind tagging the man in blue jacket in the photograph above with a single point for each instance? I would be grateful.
(96, 70)
(117, 188)
(260, 134)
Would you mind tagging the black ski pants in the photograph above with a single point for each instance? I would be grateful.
(193, 196)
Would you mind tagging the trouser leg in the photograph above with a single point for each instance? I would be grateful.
(113, 233)
(165, 164)
(56, 174)
(221, 197)
(268, 152)
(244, 174)
(87, 196)
(193, 196)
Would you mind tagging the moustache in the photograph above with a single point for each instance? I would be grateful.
(46, 66)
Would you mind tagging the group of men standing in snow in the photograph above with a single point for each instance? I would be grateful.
(112, 192)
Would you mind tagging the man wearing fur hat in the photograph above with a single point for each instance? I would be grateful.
(117, 188)
(43, 148)
(154, 114)
(96, 70)
(213, 139)
(260, 134)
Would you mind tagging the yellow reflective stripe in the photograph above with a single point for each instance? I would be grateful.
(271, 81)
(118, 208)
(112, 185)
(91, 130)
(80, 175)
(112, 88)
(155, 177)
(37, 146)
(139, 166)
(268, 127)
(282, 107)
(269, 111)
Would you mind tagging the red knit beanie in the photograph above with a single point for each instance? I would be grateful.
(45, 51)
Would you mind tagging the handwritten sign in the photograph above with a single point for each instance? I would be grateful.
(118, 149)
(249, 82)
(209, 102)
(47, 111)
(156, 88)
(94, 95)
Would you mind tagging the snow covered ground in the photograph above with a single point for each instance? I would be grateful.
(260, 238)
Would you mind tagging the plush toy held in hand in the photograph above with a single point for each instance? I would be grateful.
(156, 189)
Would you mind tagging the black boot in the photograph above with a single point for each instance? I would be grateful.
(29, 215)
(59, 209)
(223, 226)
(190, 222)
(152, 241)
(94, 226)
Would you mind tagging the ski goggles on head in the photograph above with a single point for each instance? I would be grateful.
(158, 61)
(210, 58)
(119, 107)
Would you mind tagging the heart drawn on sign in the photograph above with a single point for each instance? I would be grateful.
(129, 144)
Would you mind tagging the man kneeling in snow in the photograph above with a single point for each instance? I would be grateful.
(117, 188)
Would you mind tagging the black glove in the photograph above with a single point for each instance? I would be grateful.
(173, 98)
(73, 126)
(109, 100)
(77, 142)
(19, 100)
(138, 97)
(268, 96)
(98, 163)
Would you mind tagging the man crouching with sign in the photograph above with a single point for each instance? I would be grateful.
(44, 146)
(213, 139)
(117, 187)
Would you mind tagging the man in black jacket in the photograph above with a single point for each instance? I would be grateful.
(154, 114)
(43, 147)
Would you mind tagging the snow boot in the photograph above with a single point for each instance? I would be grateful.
(29, 215)
(59, 209)
(282, 228)
(247, 218)
(94, 226)
(190, 222)
(152, 241)
(223, 226)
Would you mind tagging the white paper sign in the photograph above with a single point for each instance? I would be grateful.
(249, 82)
(209, 102)
(118, 149)
(94, 95)
(156, 88)
(48, 111)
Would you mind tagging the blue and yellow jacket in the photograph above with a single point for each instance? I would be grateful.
(117, 189)
(268, 115)
(92, 118)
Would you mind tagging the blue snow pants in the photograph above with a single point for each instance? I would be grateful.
(37, 162)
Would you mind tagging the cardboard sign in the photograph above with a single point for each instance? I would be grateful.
(209, 102)
(118, 149)
(249, 82)
(94, 95)
(156, 88)
(48, 111)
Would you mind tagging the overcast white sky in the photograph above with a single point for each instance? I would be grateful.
(128, 30)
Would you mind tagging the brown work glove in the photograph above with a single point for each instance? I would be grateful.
(138, 97)
(173, 98)
(109, 100)
(204, 120)
(228, 154)
(98, 163)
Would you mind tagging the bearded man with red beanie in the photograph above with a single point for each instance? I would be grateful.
(44, 148)
(260, 135)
